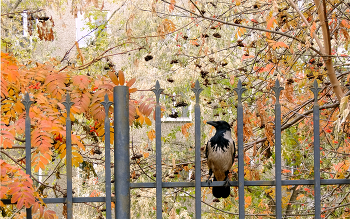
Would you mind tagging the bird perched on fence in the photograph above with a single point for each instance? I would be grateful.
(220, 152)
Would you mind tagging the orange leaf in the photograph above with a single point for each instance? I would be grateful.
(121, 77)
(113, 77)
(146, 154)
(131, 82)
(151, 134)
(313, 29)
(172, 5)
(271, 22)
(132, 90)
(148, 121)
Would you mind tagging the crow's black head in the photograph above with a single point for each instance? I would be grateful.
(220, 125)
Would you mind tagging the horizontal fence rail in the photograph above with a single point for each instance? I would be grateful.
(122, 183)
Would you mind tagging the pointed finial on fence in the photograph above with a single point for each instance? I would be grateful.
(315, 90)
(277, 88)
(197, 90)
(157, 91)
(68, 104)
(27, 102)
(106, 103)
(239, 90)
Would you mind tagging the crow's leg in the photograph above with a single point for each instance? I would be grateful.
(209, 181)
(227, 180)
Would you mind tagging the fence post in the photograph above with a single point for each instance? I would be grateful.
(239, 90)
(121, 152)
(27, 102)
(316, 120)
(157, 91)
(197, 89)
(278, 153)
(106, 105)
(68, 105)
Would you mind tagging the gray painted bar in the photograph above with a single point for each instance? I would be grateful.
(27, 102)
(68, 105)
(239, 90)
(316, 120)
(106, 105)
(157, 91)
(278, 153)
(121, 152)
(197, 89)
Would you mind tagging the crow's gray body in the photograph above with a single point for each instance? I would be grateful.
(220, 152)
(220, 159)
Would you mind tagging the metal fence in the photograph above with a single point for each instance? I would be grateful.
(122, 183)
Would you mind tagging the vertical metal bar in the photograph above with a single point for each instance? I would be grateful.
(239, 90)
(157, 92)
(121, 152)
(197, 89)
(27, 102)
(278, 153)
(316, 120)
(68, 105)
(106, 105)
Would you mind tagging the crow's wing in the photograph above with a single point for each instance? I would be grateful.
(206, 149)
(234, 151)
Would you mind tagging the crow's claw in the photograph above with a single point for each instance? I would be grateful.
(227, 183)
(209, 181)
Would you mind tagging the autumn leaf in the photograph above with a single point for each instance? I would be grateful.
(276, 45)
(240, 32)
(151, 134)
(131, 82)
(113, 77)
(121, 77)
(172, 5)
(313, 29)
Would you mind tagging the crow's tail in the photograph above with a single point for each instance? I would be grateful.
(221, 192)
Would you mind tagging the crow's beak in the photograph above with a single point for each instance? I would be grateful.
(213, 123)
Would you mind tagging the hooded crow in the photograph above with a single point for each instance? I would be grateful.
(220, 152)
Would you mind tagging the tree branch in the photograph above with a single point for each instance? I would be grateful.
(321, 10)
